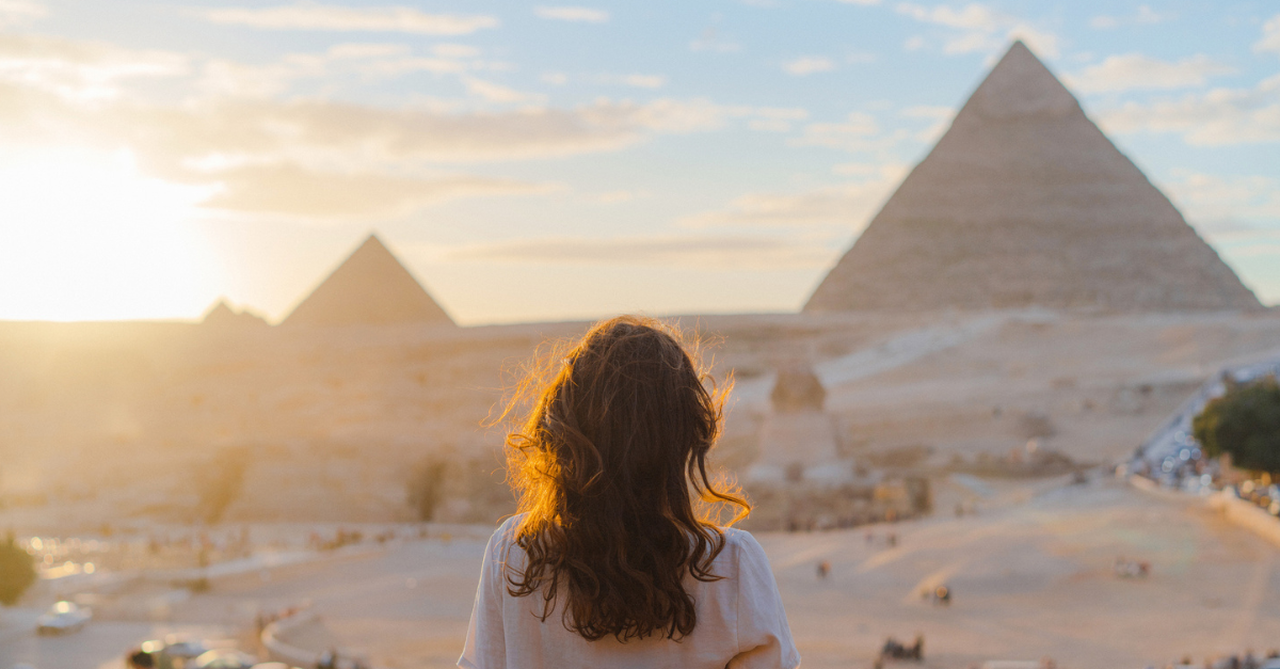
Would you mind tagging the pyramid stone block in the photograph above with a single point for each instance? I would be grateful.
(1024, 202)
(370, 287)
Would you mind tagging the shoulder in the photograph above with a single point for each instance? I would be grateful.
(745, 554)
(742, 548)
(740, 541)
(505, 535)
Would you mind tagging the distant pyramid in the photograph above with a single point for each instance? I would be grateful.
(1025, 202)
(370, 287)
(221, 315)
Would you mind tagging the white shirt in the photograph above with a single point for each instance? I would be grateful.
(740, 624)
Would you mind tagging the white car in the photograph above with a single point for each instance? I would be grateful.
(186, 649)
(225, 659)
(63, 618)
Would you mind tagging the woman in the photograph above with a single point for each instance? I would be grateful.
(608, 564)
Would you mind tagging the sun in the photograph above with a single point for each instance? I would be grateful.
(84, 235)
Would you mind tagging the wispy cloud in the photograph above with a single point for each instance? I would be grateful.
(711, 40)
(644, 80)
(809, 65)
(80, 70)
(981, 29)
(498, 93)
(1136, 71)
(837, 210)
(858, 132)
(14, 12)
(314, 16)
(1220, 116)
(693, 251)
(651, 81)
(369, 60)
(290, 190)
(575, 14)
(1145, 16)
(1226, 205)
(1270, 36)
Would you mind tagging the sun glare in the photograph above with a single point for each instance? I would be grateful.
(88, 237)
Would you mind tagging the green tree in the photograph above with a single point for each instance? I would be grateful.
(17, 571)
(1244, 422)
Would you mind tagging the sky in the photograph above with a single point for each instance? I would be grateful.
(535, 162)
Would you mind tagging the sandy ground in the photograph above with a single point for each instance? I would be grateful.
(1031, 575)
(334, 420)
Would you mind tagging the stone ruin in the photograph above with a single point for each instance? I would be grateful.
(798, 440)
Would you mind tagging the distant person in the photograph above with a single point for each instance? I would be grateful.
(608, 564)
(824, 568)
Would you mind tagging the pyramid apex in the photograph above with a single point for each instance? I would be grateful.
(218, 309)
(370, 287)
(222, 314)
(1020, 85)
(1025, 202)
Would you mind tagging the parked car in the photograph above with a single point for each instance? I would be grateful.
(224, 658)
(63, 618)
(183, 648)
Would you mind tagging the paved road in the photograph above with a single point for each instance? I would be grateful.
(100, 645)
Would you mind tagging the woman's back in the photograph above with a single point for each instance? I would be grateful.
(741, 622)
(616, 559)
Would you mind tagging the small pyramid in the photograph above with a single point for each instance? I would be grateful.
(1024, 202)
(221, 315)
(370, 287)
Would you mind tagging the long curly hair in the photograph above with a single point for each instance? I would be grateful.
(609, 465)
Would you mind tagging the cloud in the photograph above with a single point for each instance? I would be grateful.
(1136, 71)
(809, 65)
(492, 92)
(981, 29)
(80, 70)
(455, 51)
(1270, 36)
(650, 81)
(373, 61)
(575, 14)
(864, 3)
(1145, 16)
(859, 132)
(314, 16)
(292, 190)
(14, 12)
(777, 119)
(844, 208)
(645, 80)
(1218, 117)
(712, 40)
(691, 251)
(1226, 204)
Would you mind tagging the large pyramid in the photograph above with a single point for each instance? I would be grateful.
(370, 287)
(1025, 202)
